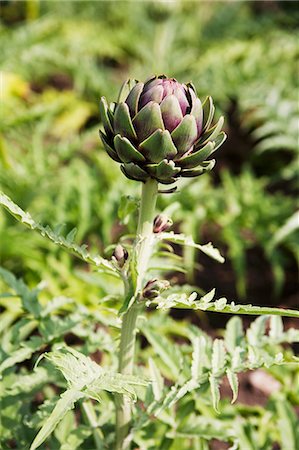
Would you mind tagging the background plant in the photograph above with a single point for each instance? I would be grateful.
(237, 52)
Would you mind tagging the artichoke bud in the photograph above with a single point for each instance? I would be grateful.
(162, 11)
(160, 129)
(153, 288)
(120, 255)
(161, 223)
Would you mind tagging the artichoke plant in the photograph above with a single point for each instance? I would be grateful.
(160, 129)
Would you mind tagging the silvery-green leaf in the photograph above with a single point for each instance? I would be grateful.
(218, 357)
(64, 404)
(234, 335)
(233, 382)
(208, 249)
(287, 424)
(276, 329)
(169, 355)
(123, 123)
(157, 380)
(158, 146)
(215, 393)
(23, 353)
(126, 151)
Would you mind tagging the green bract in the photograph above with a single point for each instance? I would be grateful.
(160, 129)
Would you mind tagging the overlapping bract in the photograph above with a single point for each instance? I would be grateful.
(160, 129)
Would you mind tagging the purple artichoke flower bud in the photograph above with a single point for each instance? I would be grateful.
(153, 288)
(161, 223)
(161, 130)
(120, 255)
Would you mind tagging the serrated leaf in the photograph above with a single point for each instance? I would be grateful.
(157, 380)
(76, 437)
(221, 305)
(218, 357)
(181, 239)
(71, 235)
(25, 352)
(244, 435)
(276, 328)
(175, 301)
(64, 404)
(79, 251)
(128, 206)
(287, 424)
(55, 304)
(233, 382)
(234, 335)
(189, 386)
(169, 354)
(30, 382)
(196, 366)
(200, 358)
(206, 427)
(116, 383)
(29, 297)
(52, 327)
(256, 332)
(207, 298)
(233, 308)
(215, 393)
(78, 369)
(84, 374)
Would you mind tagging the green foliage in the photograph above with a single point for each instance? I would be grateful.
(85, 379)
(57, 59)
(205, 303)
(66, 242)
(195, 369)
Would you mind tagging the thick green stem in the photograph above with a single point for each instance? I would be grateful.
(145, 229)
(143, 248)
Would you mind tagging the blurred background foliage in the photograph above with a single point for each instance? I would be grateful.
(58, 58)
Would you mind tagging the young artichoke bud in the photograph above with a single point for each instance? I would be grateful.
(120, 255)
(162, 11)
(160, 130)
(153, 288)
(161, 223)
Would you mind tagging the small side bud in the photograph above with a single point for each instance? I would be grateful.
(161, 223)
(120, 255)
(153, 288)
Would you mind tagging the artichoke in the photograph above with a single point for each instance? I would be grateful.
(160, 129)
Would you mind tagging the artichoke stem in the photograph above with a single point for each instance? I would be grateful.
(145, 234)
(143, 250)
